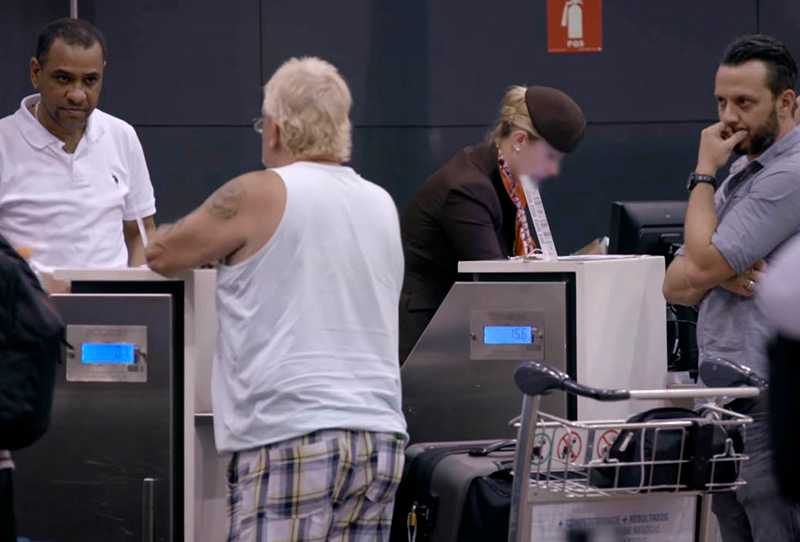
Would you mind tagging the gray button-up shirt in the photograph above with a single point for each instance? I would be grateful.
(755, 219)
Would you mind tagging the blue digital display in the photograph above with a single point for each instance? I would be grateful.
(108, 353)
(507, 335)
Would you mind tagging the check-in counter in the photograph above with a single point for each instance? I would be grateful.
(131, 440)
(602, 320)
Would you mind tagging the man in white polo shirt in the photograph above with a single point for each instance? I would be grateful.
(73, 180)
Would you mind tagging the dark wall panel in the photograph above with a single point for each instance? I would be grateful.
(20, 21)
(657, 63)
(781, 18)
(620, 162)
(180, 62)
(401, 158)
(380, 47)
(448, 63)
(187, 164)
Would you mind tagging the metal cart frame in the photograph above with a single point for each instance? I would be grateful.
(567, 475)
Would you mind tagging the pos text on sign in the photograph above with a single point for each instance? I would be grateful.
(574, 26)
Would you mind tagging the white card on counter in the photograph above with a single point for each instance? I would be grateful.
(540, 223)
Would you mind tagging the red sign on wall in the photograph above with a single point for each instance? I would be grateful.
(574, 26)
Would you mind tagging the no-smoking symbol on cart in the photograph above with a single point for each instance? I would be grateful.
(542, 448)
(604, 443)
(569, 446)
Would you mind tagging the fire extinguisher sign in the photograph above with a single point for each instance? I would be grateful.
(574, 26)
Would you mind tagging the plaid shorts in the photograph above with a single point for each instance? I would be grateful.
(328, 485)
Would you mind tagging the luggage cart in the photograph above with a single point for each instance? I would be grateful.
(565, 460)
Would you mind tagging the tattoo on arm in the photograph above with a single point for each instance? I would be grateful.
(225, 202)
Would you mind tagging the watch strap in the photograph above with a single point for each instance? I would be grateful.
(696, 178)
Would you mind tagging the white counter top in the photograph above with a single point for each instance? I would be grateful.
(127, 274)
(564, 263)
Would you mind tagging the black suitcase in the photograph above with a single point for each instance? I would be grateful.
(455, 491)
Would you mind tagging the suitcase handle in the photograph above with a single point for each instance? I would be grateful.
(510, 444)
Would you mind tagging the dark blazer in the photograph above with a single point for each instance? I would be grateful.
(462, 212)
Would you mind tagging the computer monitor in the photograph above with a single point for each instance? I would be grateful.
(656, 228)
(646, 227)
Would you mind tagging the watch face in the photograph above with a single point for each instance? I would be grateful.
(690, 182)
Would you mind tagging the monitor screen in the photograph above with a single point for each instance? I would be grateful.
(108, 353)
(646, 227)
(498, 335)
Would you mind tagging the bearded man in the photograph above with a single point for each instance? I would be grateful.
(730, 234)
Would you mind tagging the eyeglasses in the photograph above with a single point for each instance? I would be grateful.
(258, 125)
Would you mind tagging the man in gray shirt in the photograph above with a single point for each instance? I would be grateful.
(729, 234)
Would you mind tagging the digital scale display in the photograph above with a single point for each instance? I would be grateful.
(108, 353)
(500, 335)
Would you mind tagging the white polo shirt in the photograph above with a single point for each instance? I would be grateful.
(69, 208)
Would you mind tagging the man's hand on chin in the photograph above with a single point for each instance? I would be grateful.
(717, 142)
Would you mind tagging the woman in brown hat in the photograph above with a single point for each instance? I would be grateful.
(474, 207)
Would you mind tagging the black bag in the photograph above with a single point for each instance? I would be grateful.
(487, 508)
(436, 484)
(696, 445)
(31, 343)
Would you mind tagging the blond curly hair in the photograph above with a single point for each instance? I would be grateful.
(310, 103)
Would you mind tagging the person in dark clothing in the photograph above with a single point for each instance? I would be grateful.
(7, 524)
(474, 207)
(778, 296)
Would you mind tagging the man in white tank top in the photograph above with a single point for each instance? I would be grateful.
(306, 383)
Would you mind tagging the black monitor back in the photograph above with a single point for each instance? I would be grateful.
(656, 228)
(646, 227)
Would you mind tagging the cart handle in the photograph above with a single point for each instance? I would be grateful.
(718, 372)
(535, 378)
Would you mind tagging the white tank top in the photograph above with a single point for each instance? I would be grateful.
(308, 325)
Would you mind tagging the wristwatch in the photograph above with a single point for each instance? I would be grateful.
(695, 178)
